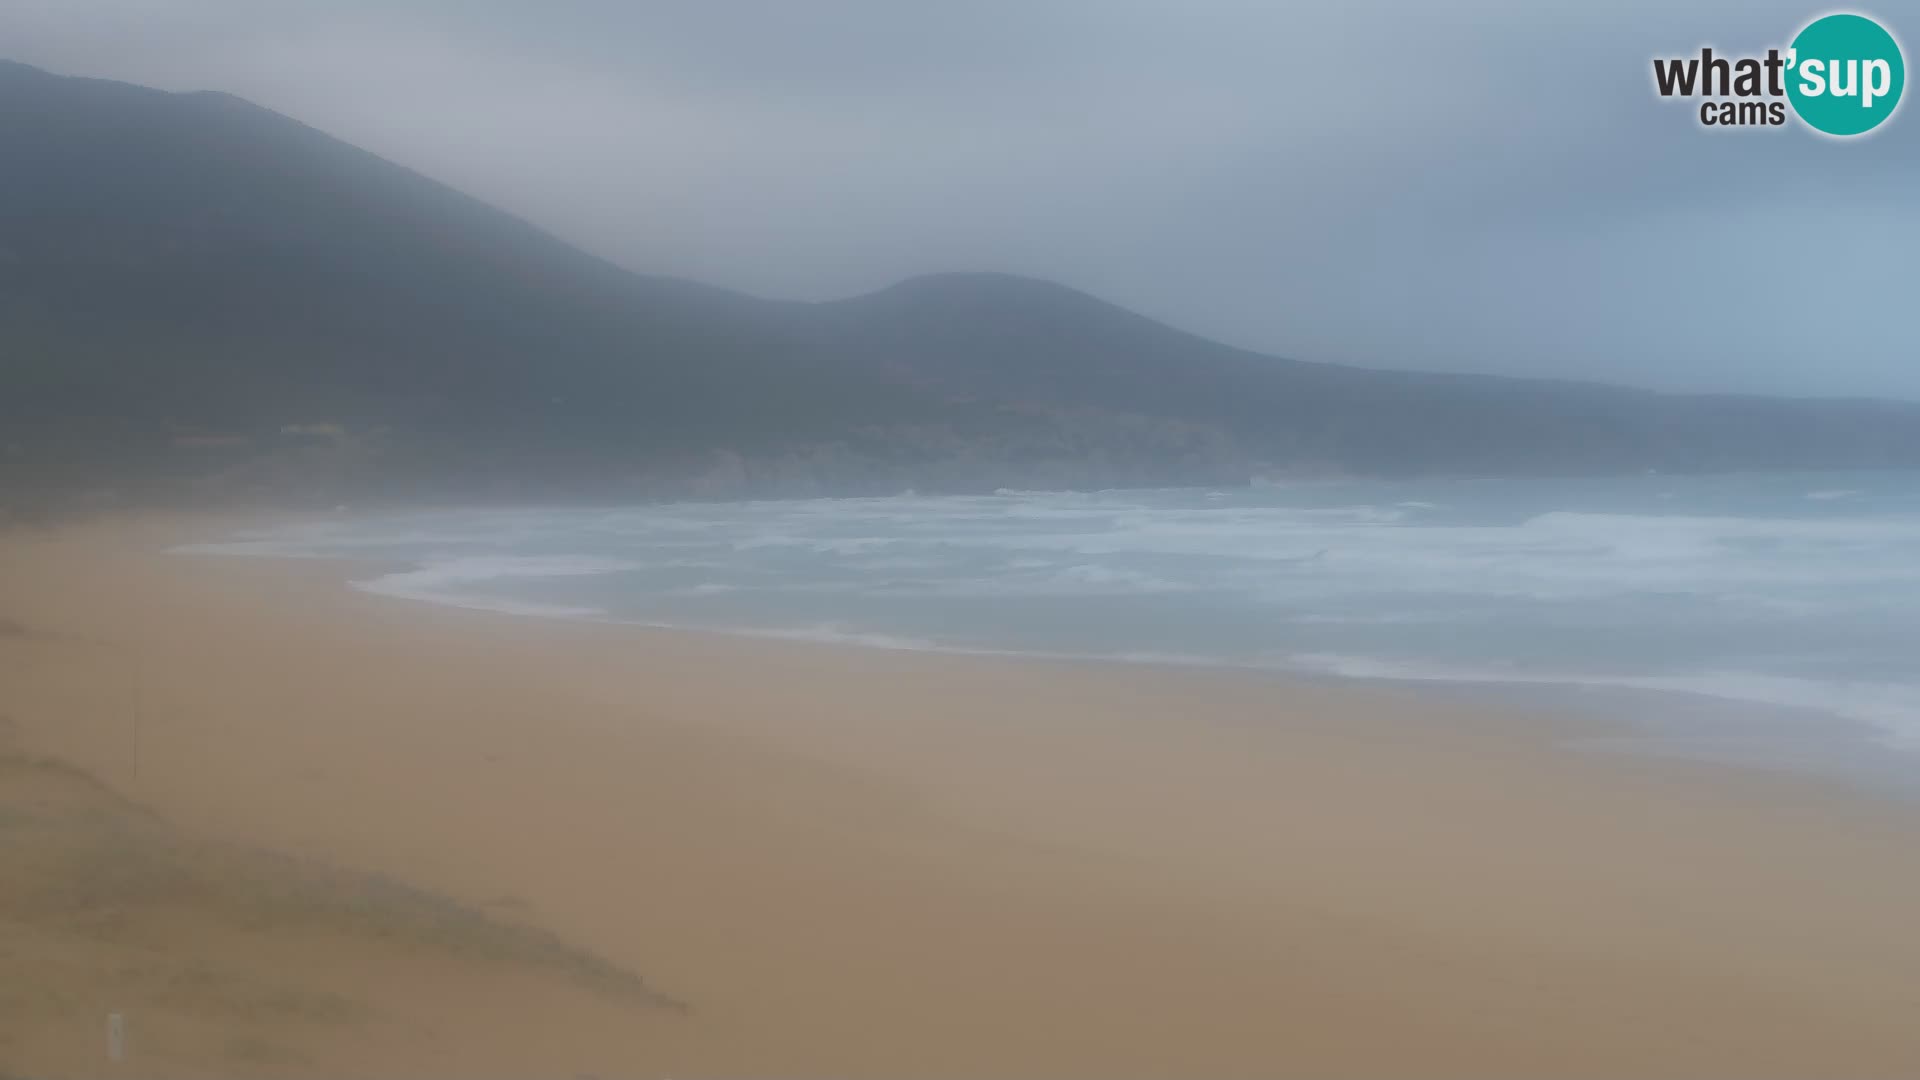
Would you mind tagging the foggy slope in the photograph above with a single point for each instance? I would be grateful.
(190, 267)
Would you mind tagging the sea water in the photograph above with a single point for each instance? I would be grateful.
(1769, 596)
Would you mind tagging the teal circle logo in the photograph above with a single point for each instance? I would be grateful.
(1845, 74)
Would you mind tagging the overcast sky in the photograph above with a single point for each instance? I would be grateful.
(1487, 185)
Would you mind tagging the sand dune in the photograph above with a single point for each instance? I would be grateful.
(851, 863)
(223, 961)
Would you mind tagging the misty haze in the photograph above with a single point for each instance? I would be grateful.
(859, 539)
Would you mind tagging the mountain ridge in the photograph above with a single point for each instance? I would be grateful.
(185, 270)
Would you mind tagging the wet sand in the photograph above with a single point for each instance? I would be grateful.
(862, 863)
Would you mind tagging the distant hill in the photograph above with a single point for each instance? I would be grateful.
(199, 293)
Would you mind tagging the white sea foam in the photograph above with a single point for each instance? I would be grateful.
(1893, 709)
(1385, 618)
(449, 581)
(1098, 576)
(837, 634)
(1785, 592)
(497, 605)
(1040, 580)
(476, 568)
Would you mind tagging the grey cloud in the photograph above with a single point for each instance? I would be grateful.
(1489, 186)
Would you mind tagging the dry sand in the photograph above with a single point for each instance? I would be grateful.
(866, 864)
(234, 962)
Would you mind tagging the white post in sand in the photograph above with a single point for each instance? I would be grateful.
(116, 1038)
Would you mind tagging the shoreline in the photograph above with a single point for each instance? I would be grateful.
(1673, 723)
(865, 862)
(1858, 728)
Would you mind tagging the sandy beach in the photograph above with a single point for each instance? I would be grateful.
(678, 854)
